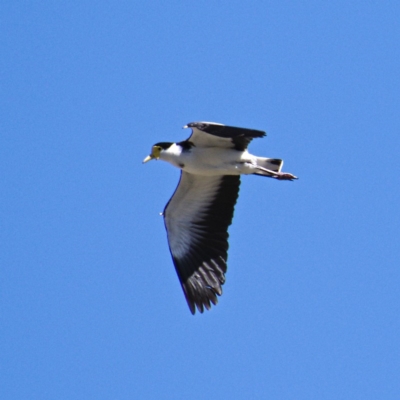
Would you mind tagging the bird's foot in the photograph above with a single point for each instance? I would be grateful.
(285, 176)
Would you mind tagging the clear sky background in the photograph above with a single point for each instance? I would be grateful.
(91, 307)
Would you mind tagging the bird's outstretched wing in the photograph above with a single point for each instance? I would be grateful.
(197, 218)
(211, 134)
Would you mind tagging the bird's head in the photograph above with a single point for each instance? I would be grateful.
(156, 151)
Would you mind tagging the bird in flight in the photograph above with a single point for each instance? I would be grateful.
(200, 211)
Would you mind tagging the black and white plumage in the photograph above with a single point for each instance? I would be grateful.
(200, 211)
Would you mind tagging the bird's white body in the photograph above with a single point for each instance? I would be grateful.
(211, 161)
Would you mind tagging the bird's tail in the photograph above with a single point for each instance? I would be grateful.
(271, 167)
(268, 165)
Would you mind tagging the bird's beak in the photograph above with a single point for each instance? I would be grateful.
(148, 158)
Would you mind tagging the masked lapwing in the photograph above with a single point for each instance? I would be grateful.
(200, 211)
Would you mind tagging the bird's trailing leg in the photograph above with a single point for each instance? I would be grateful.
(283, 176)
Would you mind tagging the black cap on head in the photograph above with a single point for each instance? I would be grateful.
(164, 145)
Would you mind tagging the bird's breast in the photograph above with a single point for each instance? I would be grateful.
(209, 161)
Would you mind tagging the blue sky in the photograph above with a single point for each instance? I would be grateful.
(91, 307)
